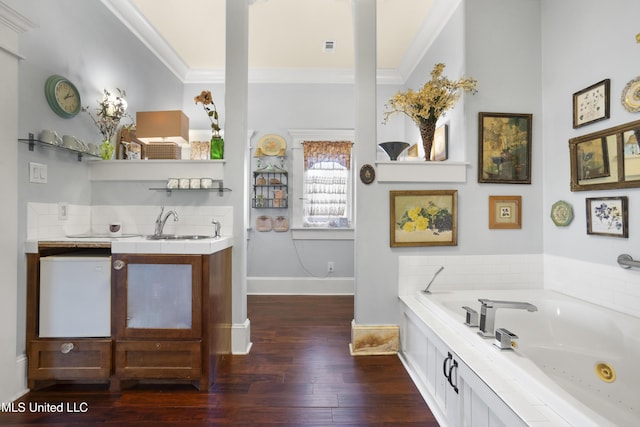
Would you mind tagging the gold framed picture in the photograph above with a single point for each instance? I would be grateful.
(423, 218)
(505, 212)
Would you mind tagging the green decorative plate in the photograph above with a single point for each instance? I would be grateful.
(561, 213)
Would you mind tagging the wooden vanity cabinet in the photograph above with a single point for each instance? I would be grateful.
(168, 317)
(164, 328)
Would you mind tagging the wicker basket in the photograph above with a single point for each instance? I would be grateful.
(161, 150)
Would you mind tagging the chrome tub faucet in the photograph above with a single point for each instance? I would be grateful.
(160, 221)
(488, 313)
(426, 290)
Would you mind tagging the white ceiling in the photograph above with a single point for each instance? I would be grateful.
(286, 37)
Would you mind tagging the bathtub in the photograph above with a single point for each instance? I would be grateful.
(577, 359)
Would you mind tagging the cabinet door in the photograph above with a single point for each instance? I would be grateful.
(157, 296)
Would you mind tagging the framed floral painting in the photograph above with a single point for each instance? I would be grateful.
(504, 148)
(591, 104)
(423, 218)
(608, 216)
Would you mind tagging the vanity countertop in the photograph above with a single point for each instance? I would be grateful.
(134, 245)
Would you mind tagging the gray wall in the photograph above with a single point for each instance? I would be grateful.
(584, 43)
(497, 42)
(84, 42)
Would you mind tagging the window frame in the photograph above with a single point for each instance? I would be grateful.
(299, 231)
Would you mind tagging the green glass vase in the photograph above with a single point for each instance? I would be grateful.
(217, 148)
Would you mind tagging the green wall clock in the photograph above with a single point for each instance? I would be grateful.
(63, 96)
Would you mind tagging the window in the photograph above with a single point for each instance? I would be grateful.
(322, 181)
(326, 184)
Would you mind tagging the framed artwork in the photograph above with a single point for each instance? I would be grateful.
(504, 152)
(593, 159)
(423, 218)
(505, 211)
(440, 144)
(608, 216)
(591, 104)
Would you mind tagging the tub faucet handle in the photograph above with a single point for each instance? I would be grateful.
(471, 318)
(505, 340)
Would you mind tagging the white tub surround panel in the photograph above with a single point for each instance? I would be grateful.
(470, 272)
(609, 285)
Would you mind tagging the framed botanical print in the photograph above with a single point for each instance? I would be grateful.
(504, 148)
(505, 211)
(439, 149)
(591, 104)
(608, 216)
(423, 218)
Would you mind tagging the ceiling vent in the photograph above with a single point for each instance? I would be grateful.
(329, 46)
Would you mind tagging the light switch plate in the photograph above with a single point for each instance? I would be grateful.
(37, 173)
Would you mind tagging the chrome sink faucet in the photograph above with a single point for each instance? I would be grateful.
(160, 221)
(488, 313)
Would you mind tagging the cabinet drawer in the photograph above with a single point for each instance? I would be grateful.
(158, 359)
(69, 359)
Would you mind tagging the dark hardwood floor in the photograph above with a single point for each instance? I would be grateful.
(298, 373)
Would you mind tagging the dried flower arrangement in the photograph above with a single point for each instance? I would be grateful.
(428, 104)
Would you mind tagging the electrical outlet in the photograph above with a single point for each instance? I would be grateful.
(63, 211)
(331, 267)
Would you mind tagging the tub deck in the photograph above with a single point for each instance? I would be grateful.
(550, 379)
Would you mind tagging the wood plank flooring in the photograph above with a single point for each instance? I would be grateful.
(298, 373)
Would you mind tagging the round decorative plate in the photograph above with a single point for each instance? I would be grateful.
(367, 174)
(272, 145)
(631, 96)
(561, 213)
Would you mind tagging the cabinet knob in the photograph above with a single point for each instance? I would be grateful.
(118, 264)
(66, 347)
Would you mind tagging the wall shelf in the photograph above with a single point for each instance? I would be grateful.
(220, 189)
(421, 171)
(155, 170)
(32, 142)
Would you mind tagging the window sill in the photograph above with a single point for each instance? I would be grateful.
(309, 233)
(421, 171)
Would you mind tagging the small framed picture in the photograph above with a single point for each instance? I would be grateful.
(505, 211)
(504, 148)
(423, 218)
(608, 216)
(591, 104)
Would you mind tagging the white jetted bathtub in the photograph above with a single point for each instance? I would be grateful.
(573, 363)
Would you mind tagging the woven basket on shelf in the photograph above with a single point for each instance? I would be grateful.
(161, 150)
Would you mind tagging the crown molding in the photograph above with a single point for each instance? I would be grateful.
(438, 16)
(15, 22)
(131, 17)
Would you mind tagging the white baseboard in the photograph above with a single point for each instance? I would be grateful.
(21, 377)
(300, 285)
(241, 337)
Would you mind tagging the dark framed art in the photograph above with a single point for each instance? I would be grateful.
(608, 216)
(593, 159)
(505, 211)
(423, 218)
(504, 148)
(592, 104)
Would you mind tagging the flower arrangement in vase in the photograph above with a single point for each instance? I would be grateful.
(217, 143)
(428, 104)
(111, 110)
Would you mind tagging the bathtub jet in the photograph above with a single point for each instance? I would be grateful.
(488, 313)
